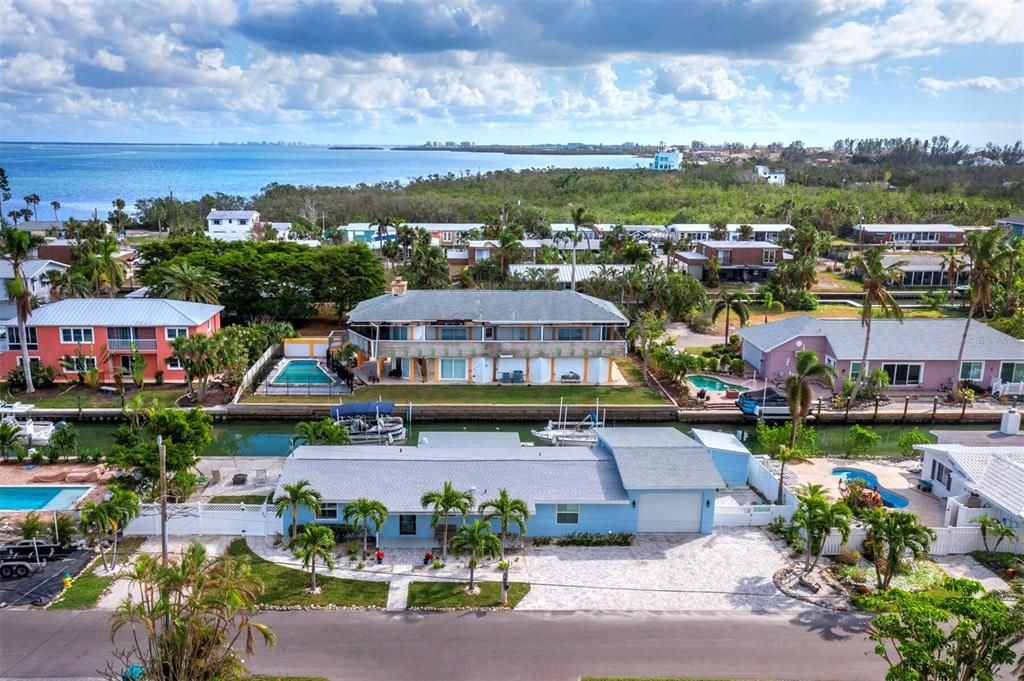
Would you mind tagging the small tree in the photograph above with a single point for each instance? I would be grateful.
(362, 512)
(31, 527)
(315, 541)
(94, 521)
(891, 534)
(62, 530)
(443, 502)
(479, 541)
(909, 438)
(508, 511)
(731, 302)
(860, 441)
(644, 332)
(962, 635)
(992, 527)
(294, 495)
(325, 432)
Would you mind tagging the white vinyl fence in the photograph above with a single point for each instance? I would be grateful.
(249, 377)
(207, 519)
(948, 541)
(767, 483)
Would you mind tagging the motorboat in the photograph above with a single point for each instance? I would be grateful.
(765, 404)
(30, 431)
(370, 422)
(579, 433)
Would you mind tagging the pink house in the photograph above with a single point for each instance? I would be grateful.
(917, 353)
(110, 327)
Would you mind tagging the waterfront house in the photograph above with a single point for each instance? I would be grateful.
(694, 232)
(563, 273)
(667, 159)
(447, 234)
(916, 354)
(108, 326)
(479, 336)
(769, 175)
(1014, 223)
(925, 271)
(231, 225)
(737, 260)
(476, 250)
(652, 479)
(909, 236)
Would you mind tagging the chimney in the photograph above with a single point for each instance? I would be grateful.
(399, 286)
(1009, 424)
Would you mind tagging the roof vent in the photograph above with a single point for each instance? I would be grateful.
(1009, 424)
(399, 286)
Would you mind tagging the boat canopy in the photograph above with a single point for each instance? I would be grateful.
(362, 409)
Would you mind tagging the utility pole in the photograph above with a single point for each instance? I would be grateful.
(163, 499)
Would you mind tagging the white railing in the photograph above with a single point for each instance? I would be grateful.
(1007, 388)
(250, 375)
(207, 519)
(126, 345)
(948, 541)
(758, 515)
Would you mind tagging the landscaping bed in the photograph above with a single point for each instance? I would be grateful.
(999, 561)
(453, 595)
(286, 586)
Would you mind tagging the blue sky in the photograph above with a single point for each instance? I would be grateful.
(515, 71)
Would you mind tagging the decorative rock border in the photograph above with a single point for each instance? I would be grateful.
(329, 606)
(835, 602)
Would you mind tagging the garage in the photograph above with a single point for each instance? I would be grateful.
(668, 512)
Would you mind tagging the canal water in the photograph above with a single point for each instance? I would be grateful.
(273, 438)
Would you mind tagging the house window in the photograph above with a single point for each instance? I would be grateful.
(172, 332)
(407, 524)
(725, 257)
(216, 222)
(454, 333)
(830, 361)
(76, 334)
(1009, 372)
(854, 370)
(904, 374)
(570, 333)
(453, 369)
(14, 342)
(74, 365)
(447, 236)
(173, 363)
(34, 361)
(328, 511)
(768, 257)
(567, 514)
(941, 474)
(971, 371)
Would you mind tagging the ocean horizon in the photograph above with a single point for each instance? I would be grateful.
(85, 177)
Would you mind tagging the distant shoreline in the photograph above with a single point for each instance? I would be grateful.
(355, 148)
(523, 150)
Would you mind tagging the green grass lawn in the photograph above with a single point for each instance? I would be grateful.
(86, 589)
(284, 586)
(254, 499)
(453, 595)
(62, 398)
(484, 394)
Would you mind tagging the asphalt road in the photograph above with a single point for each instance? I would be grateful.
(485, 646)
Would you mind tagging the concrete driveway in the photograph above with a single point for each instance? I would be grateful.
(729, 570)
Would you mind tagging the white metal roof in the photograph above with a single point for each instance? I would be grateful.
(908, 228)
(723, 442)
(583, 272)
(232, 215)
(121, 312)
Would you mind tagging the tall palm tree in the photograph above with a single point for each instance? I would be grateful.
(731, 302)
(579, 218)
(55, 205)
(362, 512)
(798, 388)
(95, 522)
(428, 267)
(297, 494)
(123, 507)
(986, 252)
(32, 202)
(508, 511)
(315, 541)
(69, 283)
(443, 502)
(479, 541)
(953, 264)
(892, 534)
(183, 281)
(16, 247)
(108, 271)
(198, 357)
(876, 278)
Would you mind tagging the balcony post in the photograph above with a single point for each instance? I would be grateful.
(437, 370)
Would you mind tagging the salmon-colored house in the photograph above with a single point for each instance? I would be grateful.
(111, 327)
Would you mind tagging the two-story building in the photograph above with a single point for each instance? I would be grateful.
(667, 159)
(231, 225)
(1013, 223)
(909, 236)
(769, 175)
(734, 231)
(479, 336)
(737, 260)
(481, 249)
(446, 234)
(110, 329)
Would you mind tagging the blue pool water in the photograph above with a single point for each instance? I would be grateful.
(302, 372)
(889, 498)
(711, 383)
(40, 497)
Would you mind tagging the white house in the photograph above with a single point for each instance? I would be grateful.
(667, 159)
(702, 231)
(231, 225)
(35, 275)
(768, 175)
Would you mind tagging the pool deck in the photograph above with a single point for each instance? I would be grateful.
(894, 477)
(13, 474)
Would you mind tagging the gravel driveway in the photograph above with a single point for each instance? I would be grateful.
(728, 570)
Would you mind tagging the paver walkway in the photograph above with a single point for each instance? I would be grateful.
(966, 567)
(398, 593)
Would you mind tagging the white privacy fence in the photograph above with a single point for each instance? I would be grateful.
(207, 519)
(258, 367)
(948, 541)
(767, 483)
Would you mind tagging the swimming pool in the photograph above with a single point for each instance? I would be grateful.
(889, 498)
(40, 497)
(711, 383)
(302, 372)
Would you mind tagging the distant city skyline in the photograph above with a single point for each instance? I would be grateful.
(366, 72)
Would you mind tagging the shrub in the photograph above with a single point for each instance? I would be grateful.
(158, 378)
(909, 438)
(436, 565)
(52, 454)
(20, 454)
(802, 300)
(542, 541)
(736, 366)
(859, 441)
(596, 539)
(848, 557)
(42, 377)
(36, 457)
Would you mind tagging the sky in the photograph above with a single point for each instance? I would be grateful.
(510, 71)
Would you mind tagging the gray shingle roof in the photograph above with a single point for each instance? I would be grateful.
(398, 476)
(487, 306)
(660, 458)
(914, 339)
(122, 312)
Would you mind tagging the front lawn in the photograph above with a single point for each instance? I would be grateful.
(453, 595)
(285, 586)
(61, 397)
(86, 589)
(484, 394)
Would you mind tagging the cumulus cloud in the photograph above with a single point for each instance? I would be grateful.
(935, 86)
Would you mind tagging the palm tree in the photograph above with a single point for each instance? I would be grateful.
(197, 355)
(32, 201)
(731, 302)
(876, 277)
(297, 494)
(69, 283)
(892, 534)
(9, 433)
(55, 205)
(16, 247)
(953, 263)
(508, 511)
(95, 522)
(428, 267)
(746, 233)
(479, 541)
(798, 389)
(182, 281)
(818, 515)
(364, 511)
(986, 252)
(579, 218)
(325, 432)
(123, 507)
(443, 502)
(315, 541)
(108, 270)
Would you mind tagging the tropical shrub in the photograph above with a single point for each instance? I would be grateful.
(803, 301)
(596, 539)
(909, 438)
(42, 377)
(859, 441)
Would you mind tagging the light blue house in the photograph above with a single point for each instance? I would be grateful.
(730, 456)
(633, 480)
(1014, 223)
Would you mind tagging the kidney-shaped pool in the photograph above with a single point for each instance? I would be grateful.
(889, 498)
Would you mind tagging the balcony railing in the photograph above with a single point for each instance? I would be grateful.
(497, 348)
(140, 345)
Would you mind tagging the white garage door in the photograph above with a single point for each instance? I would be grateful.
(668, 512)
